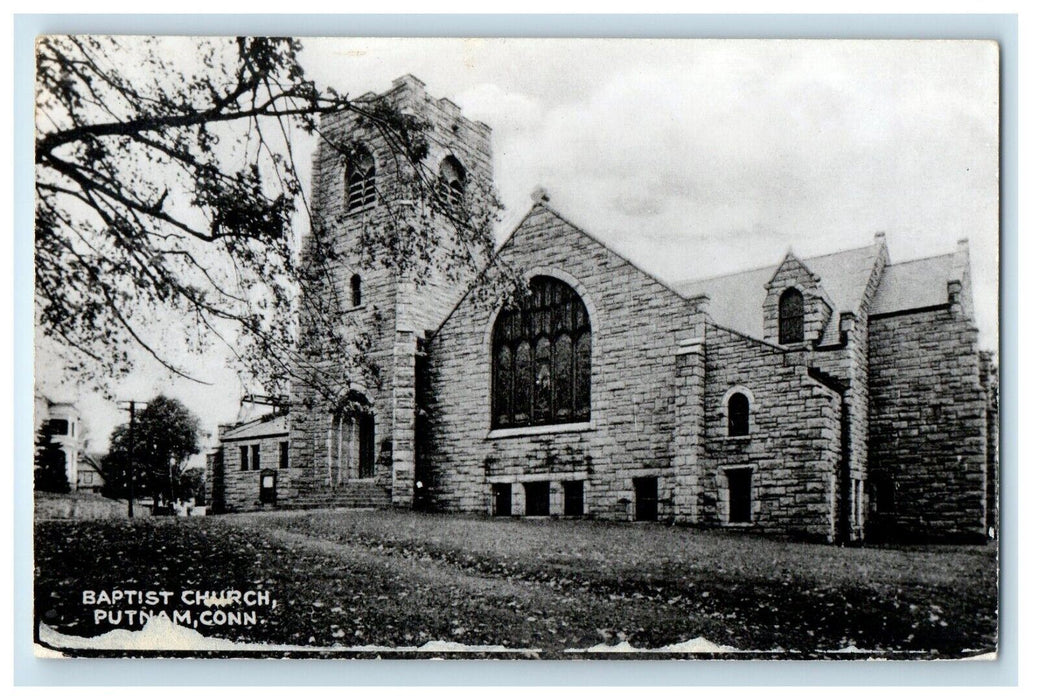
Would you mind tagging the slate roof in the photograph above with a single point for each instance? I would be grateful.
(915, 284)
(736, 300)
(261, 427)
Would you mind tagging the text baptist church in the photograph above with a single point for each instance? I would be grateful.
(832, 398)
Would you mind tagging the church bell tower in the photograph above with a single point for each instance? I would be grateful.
(358, 449)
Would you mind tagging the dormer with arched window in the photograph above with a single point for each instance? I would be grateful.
(791, 316)
(360, 179)
(797, 309)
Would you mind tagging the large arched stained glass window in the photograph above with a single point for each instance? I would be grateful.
(542, 359)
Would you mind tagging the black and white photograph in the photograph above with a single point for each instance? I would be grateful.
(503, 348)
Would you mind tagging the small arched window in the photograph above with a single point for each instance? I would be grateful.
(739, 414)
(360, 179)
(791, 317)
(541, 360)
(355, 290)
(451, 181)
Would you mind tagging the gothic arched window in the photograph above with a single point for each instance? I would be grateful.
(360, 179)
(452, 181)
(739, 414)
(542, 359)
(791, 317)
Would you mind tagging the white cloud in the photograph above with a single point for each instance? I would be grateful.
(700, 157)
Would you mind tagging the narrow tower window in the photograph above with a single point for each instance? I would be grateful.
(355, 290)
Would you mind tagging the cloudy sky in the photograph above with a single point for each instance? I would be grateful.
(696, 158)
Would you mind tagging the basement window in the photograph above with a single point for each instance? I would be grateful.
(502, 494)
(573, 498)
(537, 497)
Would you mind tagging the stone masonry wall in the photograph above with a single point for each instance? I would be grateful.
(394, 312)
(990, 387)
(793, 446)
(242, 488)
(850, 364)
(927, 423)
(637, 324)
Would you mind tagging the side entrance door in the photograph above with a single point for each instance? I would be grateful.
(646, 498)
(268, 487)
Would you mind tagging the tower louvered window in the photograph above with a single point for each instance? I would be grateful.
(542, 359)
(452, 182)
(360, 180)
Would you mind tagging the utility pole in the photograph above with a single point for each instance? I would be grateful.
(129, 467)
(131, 406)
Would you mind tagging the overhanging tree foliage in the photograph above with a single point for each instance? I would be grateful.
(166, 189)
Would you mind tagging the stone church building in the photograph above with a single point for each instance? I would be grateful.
(832, 398)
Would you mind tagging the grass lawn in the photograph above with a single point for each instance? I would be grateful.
(347, 578)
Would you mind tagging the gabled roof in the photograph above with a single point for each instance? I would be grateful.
(90, 460)
(542, 206)
(269, 425)
(915, 284)
(736, 300)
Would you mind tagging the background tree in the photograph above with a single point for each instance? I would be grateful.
(50, 463)
(190, 486)
(115, 467)
(166, 188)
(165, 436)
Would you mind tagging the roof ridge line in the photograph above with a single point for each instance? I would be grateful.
(748, 270)
(921, 259)
(670, 286)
